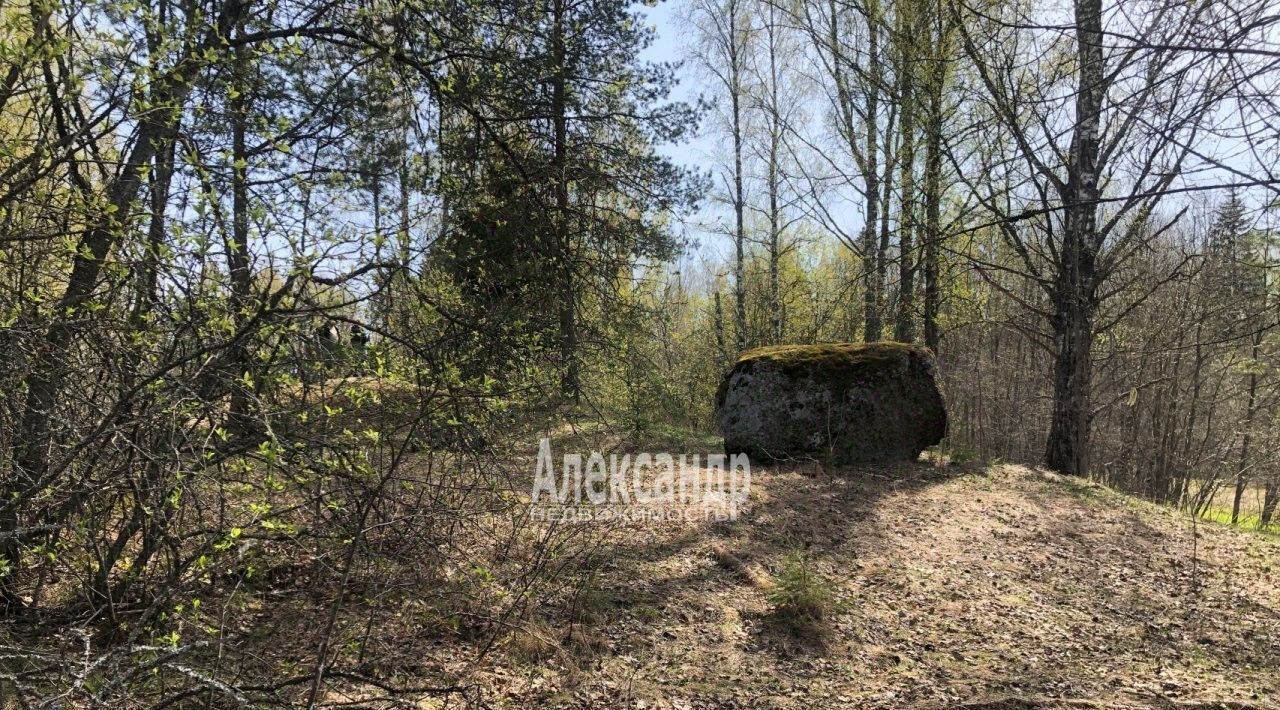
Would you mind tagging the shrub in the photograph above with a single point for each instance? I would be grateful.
(803, 600)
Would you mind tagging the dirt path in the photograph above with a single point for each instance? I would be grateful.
(1004, 588)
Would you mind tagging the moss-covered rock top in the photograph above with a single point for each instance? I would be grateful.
(838, 364)
(834, 354)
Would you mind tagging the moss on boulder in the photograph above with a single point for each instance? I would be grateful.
(837, 402)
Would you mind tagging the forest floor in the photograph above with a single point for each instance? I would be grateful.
(999, 587)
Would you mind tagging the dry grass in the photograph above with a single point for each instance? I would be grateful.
(1000, 588)
(917, 586)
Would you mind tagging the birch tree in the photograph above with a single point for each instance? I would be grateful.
(725, 42)
(1099, 140)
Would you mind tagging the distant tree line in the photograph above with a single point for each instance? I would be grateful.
(1019, 195)
(193, 191)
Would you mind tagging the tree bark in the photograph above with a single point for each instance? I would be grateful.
(1075, 285)
(1246, 434)
(238, 247)
(570, 384)
(1270, 497)
(718, 323)
(886, 198)
(773, 183)
(931, 238)
(739, 192)
(872, 255)
(904, 326)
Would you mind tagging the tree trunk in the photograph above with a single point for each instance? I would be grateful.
(1075, 285)
(149, 270)
(873, 280)
(775, 217)
(1068, 443)
(570, 384)
(739, 193)
(238, 248)
(931, 239)
(1269, 500)
(718, 322)
(904, 327)
(1246, 436)
(886, 197)
(1193, 410)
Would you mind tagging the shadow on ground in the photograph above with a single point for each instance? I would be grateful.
(957, 587)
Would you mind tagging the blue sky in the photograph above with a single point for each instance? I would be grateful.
(670, 45)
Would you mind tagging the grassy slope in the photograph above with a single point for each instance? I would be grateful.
(998, 588)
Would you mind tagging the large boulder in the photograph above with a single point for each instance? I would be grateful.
(841, 403)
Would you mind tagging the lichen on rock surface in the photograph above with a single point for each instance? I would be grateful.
(837, 402)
